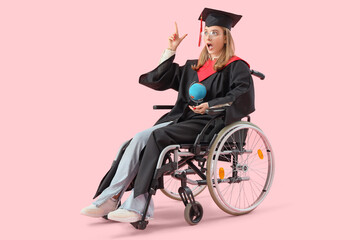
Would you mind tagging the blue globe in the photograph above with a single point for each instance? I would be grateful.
(197, 92)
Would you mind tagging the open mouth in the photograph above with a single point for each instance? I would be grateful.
(209, 46)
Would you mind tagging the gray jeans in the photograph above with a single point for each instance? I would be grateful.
(125, 173)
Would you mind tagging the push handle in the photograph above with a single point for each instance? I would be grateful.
(163, 106)
(257, 74)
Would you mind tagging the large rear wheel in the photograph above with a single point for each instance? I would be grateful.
(240, 168)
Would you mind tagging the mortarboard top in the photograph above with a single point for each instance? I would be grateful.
(214, 17)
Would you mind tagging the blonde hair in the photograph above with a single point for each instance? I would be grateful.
(227, 52)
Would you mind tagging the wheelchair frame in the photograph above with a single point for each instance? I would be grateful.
(175, 156)
(229, 145)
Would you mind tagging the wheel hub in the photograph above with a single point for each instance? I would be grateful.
(243, 168)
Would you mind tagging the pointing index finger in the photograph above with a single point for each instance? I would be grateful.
(176, 29)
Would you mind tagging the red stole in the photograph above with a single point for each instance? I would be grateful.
(208, 68)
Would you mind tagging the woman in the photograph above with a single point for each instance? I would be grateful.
(227, 80)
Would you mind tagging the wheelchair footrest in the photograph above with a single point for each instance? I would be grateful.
(141, 225)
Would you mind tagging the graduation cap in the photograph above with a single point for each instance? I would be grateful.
(213, 17)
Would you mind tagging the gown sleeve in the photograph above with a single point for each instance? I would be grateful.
(240, 82)
(166, 76)
(240, 96)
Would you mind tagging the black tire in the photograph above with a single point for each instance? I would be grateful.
(190, 216)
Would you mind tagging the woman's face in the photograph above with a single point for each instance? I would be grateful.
(215, 40)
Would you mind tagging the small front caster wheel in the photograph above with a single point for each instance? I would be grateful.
(190, 214)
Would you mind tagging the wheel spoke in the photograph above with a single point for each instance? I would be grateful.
(258, 171)
(254, 195)
(232, 189)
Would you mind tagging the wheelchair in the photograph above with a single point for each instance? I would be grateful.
(235, 163)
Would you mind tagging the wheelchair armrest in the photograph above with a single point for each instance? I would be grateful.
(163, 107)
(215, 111)
(218, 109)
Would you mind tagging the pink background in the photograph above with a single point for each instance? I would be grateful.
(69, 78)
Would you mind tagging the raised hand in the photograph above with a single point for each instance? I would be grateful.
(175, 40)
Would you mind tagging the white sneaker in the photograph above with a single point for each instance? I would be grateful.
(123, 215)
(102, 210)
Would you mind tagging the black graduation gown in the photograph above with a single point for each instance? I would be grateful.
(231, 84)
